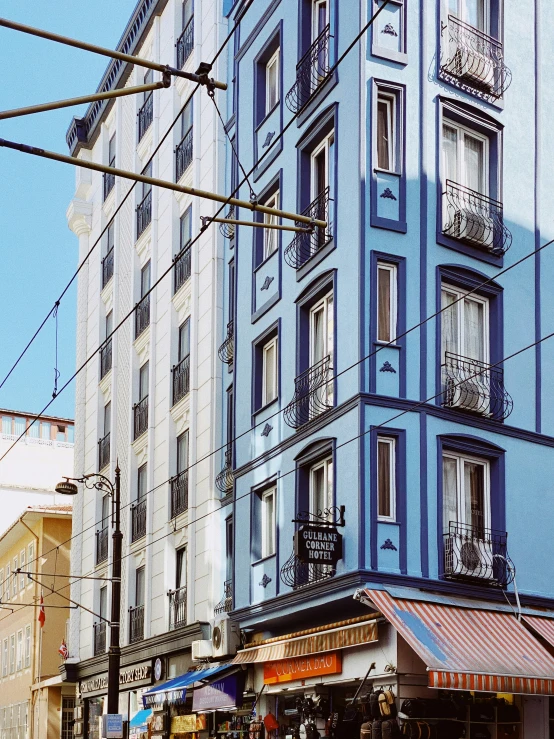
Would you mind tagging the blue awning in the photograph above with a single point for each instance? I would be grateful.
(175, 690)
(140, 719)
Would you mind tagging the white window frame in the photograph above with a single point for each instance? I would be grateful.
(28, 645)
(271, 234)
(324, 145)
(462, 131)
(274, 62)
(269, 394)
(22, 566)
(326, 304)
(462, 15)
(460, 307)
(327, 466)
(8, 582)
(315, 16)
(389, 99)
(14, 577)
(31, 552)
(268, 538)
(5, 657)
(391, 443)
(392, 270)
(1, 583)
(12, 654)
(460, 486)
(19, 651)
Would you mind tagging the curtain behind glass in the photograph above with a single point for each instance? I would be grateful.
(449, 324)
(270, 373)
(449, 153)
(473, 164)
(318, 501)
(474, 330)
(317, 346)
(383, 134)
(474, 503)
(383, 480)
(449, 491)
(384, 306)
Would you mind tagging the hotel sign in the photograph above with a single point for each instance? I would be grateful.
(298, 668)
(320, 545)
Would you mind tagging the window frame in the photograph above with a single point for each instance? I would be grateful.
(8, 588)
(183, 345)
(389, 441)
(273, 62)
(460, 307)
(461, 173)
(325, 304)
(388, 98)
(271, 236)
(19, 651)
(326, 145)
(5, 656)
(268, 538)
(327, 464)
(142, 482)
(272, 344)
(12, 654)
(392, 269)
(22, 565)
(180, 571)
(144, 371)
(27, 649)
(140, 578)
(461, 493)
(258, 394)
(14, 578)
(462, 4)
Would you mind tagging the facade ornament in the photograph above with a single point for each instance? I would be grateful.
(387, 367)
(388, 193)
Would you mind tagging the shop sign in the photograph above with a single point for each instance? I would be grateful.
(112, 726)
(223, 693)
(129, 677)
(318, 545)
(298, 668)
(170, 696)
(183, 724)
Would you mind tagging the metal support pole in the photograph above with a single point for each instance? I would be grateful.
(206, 220)
(114, 652)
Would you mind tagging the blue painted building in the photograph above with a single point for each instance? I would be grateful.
(380, 364)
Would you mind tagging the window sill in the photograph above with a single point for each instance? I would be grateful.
(263, 408)
(388, 520)
(387, 171)
(263, 559)
(386, 344)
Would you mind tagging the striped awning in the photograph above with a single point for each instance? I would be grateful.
(543, 626)
(470, 649)
(324, 641)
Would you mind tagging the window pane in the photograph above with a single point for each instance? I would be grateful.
(449, 153)
(474, 489)
(70, 434)
(474, 330)
(142, 482)
(145, 279)
(269, 369)
(384, 488)
(6, 424)
(20, 424)
(143, 381)
(182, 452)
(107, 418)
(105, 510)
(473, 163)
(184, 340)
(186, 119)
(104, 602)
(317, 344)
(187, 12)
(384, 307)
(272, 83)
(186, 228)
(449, 323)
(139, 589)
(449, 491)
(109, 323)
(181, 570)
(475, 13)
(383, 135)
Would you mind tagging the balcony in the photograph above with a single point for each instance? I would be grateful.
(477, 554)
(475, 387)
(313, 394)
(104, 452)
(312, 71)
(225, 605)
(183, 155)
(107, 267)
(181, 379)
(305, 245)
(99, 638)
(182, 268)
(297, 574)
(136, 624)
(179, 493)
(105, 359)
(227, 230)
(226, 351)
(140, 417)
(109, 182)
(185, 44)
(138, 520)
(224, 480)
(142, 315)
(145, 116)
(177, 608)
(475, 219)
(102, 545)
(473, 61)
(144, 213)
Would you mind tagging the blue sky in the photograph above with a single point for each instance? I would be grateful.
(38, 253)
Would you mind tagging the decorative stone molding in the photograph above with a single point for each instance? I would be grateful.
(83, 177)
(182, 301)
(140, 556)
(181, 537)
(144, 146)
(142, 345)
(107, 296)
(79, 217)
(185, 87)
(108, 206)
(180, 413)
(140, 448)
(185, 181)
(143, 245)
(105, 386)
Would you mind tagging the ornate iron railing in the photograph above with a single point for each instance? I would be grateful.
(476, 387)
(138, 520)
(475, 219)
(99, 637)
(225, 605)
(224, 480)
(297, 574)
(140, 417)
(182, 268)
(105, 359)
(226, 351)
(473, 61)
(144, 213)
(185, 44)
(102, 545)
(312, 71)
(107, 267)
(183, 155)
(227, 230)
(177, 608)
(313, 394)
(136, 624)
(104, 451)
(181, 379)
(142, 315)
(145, 116)
(306, 244)
(179, 493)
(477, 553)
(109, 182)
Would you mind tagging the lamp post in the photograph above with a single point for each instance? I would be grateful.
(101, 482)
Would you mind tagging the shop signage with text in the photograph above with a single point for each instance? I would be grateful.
(298, 668)
(318, 545)
(140, 674)
(223, 693)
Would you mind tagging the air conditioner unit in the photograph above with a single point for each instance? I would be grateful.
(465, 557)
(474, 228)
(472, 67)
(468, 395)
(201, 649)
(225, 637)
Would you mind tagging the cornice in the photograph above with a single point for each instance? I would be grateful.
(79, 216)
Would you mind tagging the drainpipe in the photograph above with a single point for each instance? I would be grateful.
(31, 724)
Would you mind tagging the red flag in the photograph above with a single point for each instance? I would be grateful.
(41, 613)
(63, 650)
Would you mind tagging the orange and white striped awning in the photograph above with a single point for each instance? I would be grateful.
(470, 649)
(543, 626)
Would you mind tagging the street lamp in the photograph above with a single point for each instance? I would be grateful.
(96, 481)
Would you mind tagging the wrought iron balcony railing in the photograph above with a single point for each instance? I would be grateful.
(102, 545)
(142, 315)
(224, 480)
(109, 182)
(107, 267)
(475, 387)
(99, 637)
(185, 44)
(226, 351)
(177, 608)
(225, 605)
(179, 493)
(182, 268)
(183, 155)
(305, 245)
(104, 451)
(313, 394)
(144, 213)
(297, 574)
(475, 219)
(181, 379)
(312, 71)
(473, 61)
(136, 624)
(105, 359)
(140, 417)
(477, 553)
(138, 520)
(145, 116)
(227, 230)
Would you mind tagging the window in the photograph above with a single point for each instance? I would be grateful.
(108, 327)
(68, 704)
(185, 43)
(12, 654)
(386, 134)
(28, 645)
(14, 577)
(45, 430)
(184, 340)
(144, 374)
(145, 274)
(106, 501)
(386, 302)
(111, 151)
(322, 166)
(269, 372)
(320, 17)
(472, 12)
(60, 432)
(466, 492)
(270, 234)
(22, 578)
(464, 329)
(181, 568)
(465, 157)
(321, 486)
(139, 587)
(142, 483)
(182, 452)
(229, 549)
(8, 582)
(272, 82)
(4, 657)
(183, 152)
(31, 550)
(1, 583)
(109, 178)
(145, 186)
(321, 349)
(110, 237)
(386, 478)
(107, 418)
(19, 650)
(268, 522)
(185, 228)
(103, 602)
